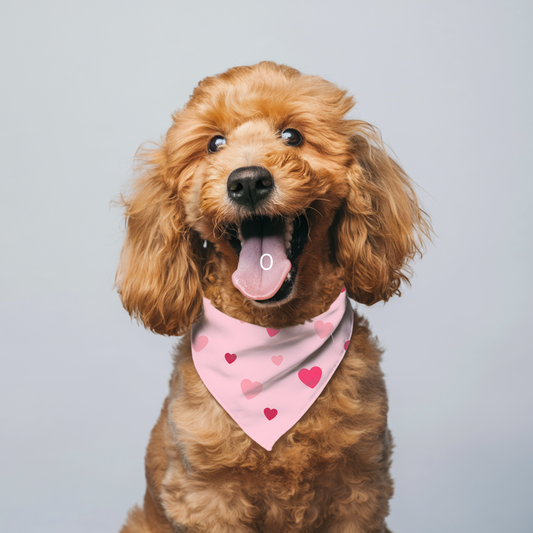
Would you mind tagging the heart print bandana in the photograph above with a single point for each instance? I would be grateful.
(266, 379)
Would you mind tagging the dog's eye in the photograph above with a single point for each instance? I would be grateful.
(215, 143)
(292, 137)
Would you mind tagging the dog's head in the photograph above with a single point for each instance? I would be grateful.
(265, 198)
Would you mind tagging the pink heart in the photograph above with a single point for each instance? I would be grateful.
(270, 413)
(277, 359)
(200, 343)
(323, 329)
(346, 344)
(343, 289)
(230, 357)
(310, 377)
(272, 332)
(251, 389)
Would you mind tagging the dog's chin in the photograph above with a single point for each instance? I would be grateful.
(286, 238)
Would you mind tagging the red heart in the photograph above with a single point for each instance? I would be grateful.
(270, 413)
(310, 377)
(346, 344)
(323, 329)
(230, 357)
(200, 343)
(272, 332)
(343, 289)
(251, 389)
(277, 359)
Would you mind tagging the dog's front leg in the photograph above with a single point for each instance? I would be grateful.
(202, 504)
(369, 507)
(366, 517)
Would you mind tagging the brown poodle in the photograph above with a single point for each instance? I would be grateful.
(255, 146)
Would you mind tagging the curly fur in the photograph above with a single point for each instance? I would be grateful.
(330, 472)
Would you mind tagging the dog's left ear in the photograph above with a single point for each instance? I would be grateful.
(381, 226)
(159, 275)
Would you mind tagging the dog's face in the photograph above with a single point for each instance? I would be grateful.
(291, 199)
(268, 178)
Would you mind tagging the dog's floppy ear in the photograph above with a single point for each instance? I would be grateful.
(158, 277)
(380, 226)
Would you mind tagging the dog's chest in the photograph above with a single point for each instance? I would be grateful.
(312, 470)
(295, 484)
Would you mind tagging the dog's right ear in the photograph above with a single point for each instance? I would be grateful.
(382, 226)
(159, 274)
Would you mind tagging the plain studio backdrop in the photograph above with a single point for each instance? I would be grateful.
(85, 83)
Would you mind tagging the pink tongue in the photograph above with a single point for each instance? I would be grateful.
(254, 281)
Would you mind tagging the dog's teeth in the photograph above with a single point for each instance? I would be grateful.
(239, 235)
(288, 276)
(289, 226)
(289, 229)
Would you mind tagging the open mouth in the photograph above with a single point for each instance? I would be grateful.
(269, 249)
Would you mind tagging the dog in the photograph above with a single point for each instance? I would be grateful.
(263, 208)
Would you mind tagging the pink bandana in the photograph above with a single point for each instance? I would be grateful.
(266, 379)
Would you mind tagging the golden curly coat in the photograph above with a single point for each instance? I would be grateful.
(330, 472)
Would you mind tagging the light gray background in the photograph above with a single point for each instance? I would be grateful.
(85, 83)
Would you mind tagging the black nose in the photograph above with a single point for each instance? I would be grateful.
(248, 186)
